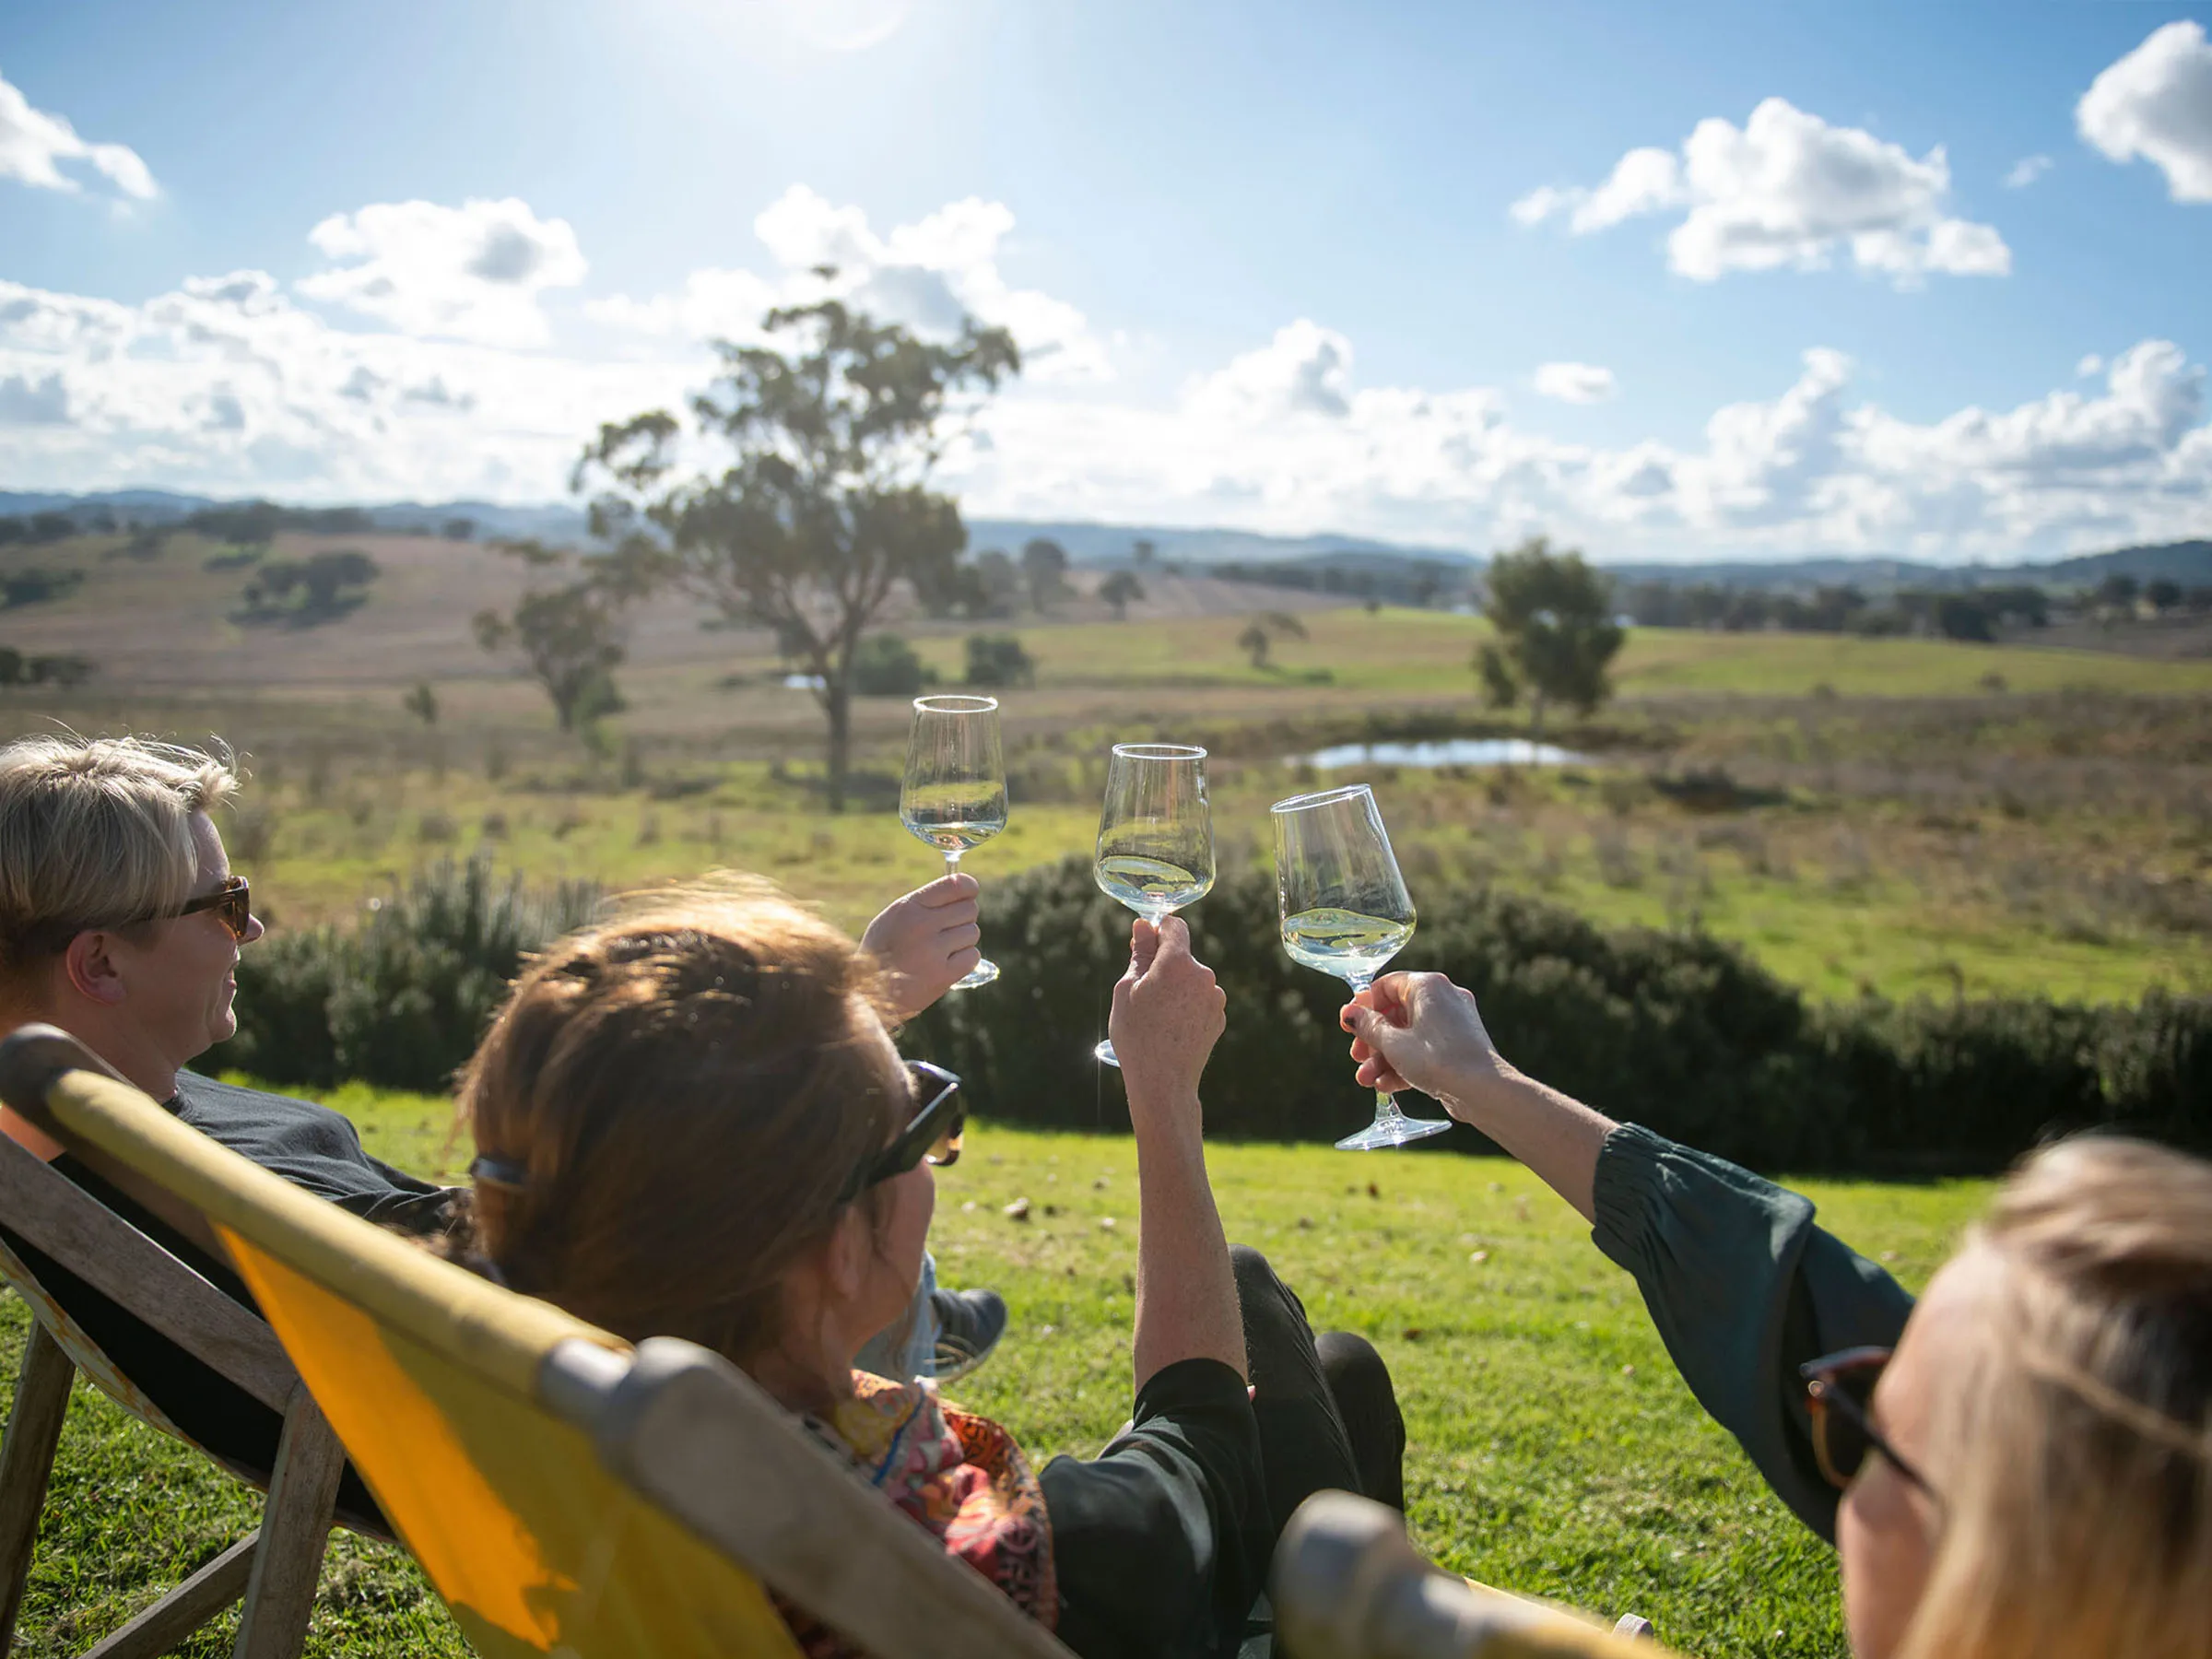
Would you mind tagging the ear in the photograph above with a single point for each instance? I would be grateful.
(92, 970)
(846, 1256)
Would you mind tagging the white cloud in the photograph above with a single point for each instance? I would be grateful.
(2156, 104)
(2091, 365)
(1786, 190)
(471, 273)
(1573, 383)
(34, 142)
(225, 386)
(2026, 171)
(1305, 370)
(927, 276)
(1810, 469)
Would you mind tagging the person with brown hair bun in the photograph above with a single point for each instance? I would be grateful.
(2018, 1466)
(692, 1120)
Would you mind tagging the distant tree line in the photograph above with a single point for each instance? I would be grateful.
(243, 524)
(1970, 614)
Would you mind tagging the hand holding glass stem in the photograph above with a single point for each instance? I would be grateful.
(1155, 834)
(954, 796)
(1345, 912)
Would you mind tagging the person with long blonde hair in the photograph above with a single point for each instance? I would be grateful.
(2018, 1466)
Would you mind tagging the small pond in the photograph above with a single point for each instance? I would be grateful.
(1456, 751)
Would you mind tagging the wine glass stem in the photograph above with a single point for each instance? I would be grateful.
(952, 862)
(1387, 1103)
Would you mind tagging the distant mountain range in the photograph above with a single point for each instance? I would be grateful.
(2188, 563)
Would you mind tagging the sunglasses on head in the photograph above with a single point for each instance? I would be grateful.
(1840, 1391)
(932, 1136)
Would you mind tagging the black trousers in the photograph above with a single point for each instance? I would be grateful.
(1328, 1416)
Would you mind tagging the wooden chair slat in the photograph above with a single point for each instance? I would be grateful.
(59, 1218)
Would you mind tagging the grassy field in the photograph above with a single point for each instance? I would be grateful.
(1553, 1448)
(1904, 816)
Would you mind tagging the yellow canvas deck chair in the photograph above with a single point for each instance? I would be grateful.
(273, 1567)
(565, 1493)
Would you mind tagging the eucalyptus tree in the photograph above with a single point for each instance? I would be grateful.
(798, 495)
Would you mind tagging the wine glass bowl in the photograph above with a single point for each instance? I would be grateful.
(1155, 834)
(954, 793)
(1345, 912)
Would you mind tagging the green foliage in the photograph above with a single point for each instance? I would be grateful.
(1044, 571)
(422, 702)
(1677, 1031)
(998, 660)
(1119, 589)
(571, 635)
(1262, 632)
(825, 506)
(400, 999)
(35, 586)
(885, 665)
(309, 591)
(16, 669)
(1555, 631)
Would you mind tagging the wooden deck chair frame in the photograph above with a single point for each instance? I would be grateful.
(677, 1425)
(274, 1568)
(1348, 1584)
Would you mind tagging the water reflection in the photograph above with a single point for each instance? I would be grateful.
(1456, 751)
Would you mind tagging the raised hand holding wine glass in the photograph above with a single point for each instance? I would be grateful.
(954, 796)
(1155, 834)
(1345, 912)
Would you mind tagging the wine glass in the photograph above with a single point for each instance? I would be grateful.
(955, 793)
(1155, 834)
(1345, 912)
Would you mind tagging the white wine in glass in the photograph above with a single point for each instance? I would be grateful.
(1155, 834)
(954, 797)
(1345, 912)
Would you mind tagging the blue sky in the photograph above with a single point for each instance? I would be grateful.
(1755, 280)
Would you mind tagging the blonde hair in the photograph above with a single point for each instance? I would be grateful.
(2073, 1449)
(96, 832)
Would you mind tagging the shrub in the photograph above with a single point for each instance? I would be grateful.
(999, 660)
(1677, 1031)
(401, 999)
(885, 665)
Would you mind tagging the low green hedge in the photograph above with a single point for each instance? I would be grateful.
(1680, 1032)
(1677, 1031)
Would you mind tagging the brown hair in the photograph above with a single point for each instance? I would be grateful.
(96, 832)
(687, 1089)
(2073, 1449)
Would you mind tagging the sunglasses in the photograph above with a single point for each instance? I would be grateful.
(1840, 1391)
(232, 904)
(932, 1137)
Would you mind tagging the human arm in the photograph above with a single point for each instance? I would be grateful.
(1741, 1285)
(1420, 1031)
(1168, 1013)
(927, 941)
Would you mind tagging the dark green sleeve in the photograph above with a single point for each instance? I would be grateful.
(1161, 1542)
(1744, 1289)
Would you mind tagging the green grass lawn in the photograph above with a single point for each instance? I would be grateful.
(1553, 1448)
(1427, 652)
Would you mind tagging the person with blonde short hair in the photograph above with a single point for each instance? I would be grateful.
(120, 922)
(2018, 1466)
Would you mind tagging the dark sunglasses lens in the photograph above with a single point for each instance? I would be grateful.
(237, 910)
(1838, 1441)
(945, 1151)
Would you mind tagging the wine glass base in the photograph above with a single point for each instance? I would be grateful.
(1393, 1132)
(1105, 1055)
(983, 973)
